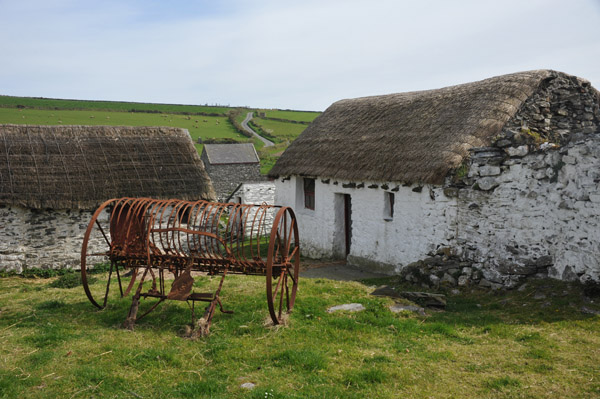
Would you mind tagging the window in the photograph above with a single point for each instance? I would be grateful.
(388, 206)
(309, 193)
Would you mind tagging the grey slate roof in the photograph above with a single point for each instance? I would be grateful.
(220, 154)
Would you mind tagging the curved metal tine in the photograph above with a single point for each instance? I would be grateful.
(154, 205)
(191, 218)
(243, 243)
(236, 230)
(262, 222)
(289, 235)
(254, 213)
(197, 223)
(161, 212)
(220, 252)
(173, 225)
(133, 217)
(115, 216)
(202, 226)
(214, 228)
(179, 213)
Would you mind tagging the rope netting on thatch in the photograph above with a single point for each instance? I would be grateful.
(408, 137)
(70, 167)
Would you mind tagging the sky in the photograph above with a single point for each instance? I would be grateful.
(303, 54)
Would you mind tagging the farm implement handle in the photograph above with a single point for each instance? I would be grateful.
(155, 239)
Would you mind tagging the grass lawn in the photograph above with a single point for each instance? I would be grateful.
(531, 344)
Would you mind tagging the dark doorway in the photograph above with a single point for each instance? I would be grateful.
(347, 221)
(342, 238)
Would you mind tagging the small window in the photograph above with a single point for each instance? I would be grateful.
(309, 193)
(388, 206)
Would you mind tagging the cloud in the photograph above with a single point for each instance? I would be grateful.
(301, 55)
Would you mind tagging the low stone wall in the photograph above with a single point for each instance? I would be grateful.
(31, 238)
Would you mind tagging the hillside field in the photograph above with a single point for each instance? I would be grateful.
(205, 122)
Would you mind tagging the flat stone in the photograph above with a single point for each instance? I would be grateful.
(386, 290)
(248, 385)
(585, 309)
(520, 151)
(489, 170)
(487, 183)
(350, 307)
(397, 308)
(448, 279)
(463, 280)
(425, 298)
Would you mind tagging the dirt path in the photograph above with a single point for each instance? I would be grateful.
(335, 270)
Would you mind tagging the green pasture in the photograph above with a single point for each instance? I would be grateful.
(283, 131)
(541, 342)
(300, 116)
(49, 103)
(207, 127)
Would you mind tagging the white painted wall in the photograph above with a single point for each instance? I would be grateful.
(544, 211)
(420, 224)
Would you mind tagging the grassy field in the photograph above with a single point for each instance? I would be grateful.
(49, 103)
(283, 131)
(41, 111)
(535, 343)
(300, 116)
(207, 127)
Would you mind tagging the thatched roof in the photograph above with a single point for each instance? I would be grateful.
(224, 154)
(408, 137)
(70, 167)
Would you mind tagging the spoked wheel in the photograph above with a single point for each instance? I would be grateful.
(95, 251)
(283, 264)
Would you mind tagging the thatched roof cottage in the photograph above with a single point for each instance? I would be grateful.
(503, 173)
(53, 177)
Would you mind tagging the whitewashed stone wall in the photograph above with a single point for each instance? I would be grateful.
(520, 211)
(534, 214)
(424, 220)
(256, 193)
(32, 238)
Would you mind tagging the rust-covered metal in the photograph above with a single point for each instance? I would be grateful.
(148, 241)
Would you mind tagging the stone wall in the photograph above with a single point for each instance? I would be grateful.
(256, 193)
(31, 238)
(227, 177)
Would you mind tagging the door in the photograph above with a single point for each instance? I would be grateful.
(342, 235)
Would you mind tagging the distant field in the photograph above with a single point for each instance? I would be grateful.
(44, 111)
(29, 102)
(207, 127)
(300, 116)
(282, 130)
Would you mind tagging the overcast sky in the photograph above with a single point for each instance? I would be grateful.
(302, 54)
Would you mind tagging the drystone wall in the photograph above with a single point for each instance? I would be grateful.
(529, 205)
(31, 238)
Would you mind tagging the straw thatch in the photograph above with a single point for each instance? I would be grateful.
(78, 167)
(407, 137)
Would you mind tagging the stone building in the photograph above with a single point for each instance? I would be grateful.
(229, 165)
(52, 178)
(501, 174)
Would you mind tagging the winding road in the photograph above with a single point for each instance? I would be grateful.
(247, 128)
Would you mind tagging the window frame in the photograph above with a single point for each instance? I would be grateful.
(307, 194)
